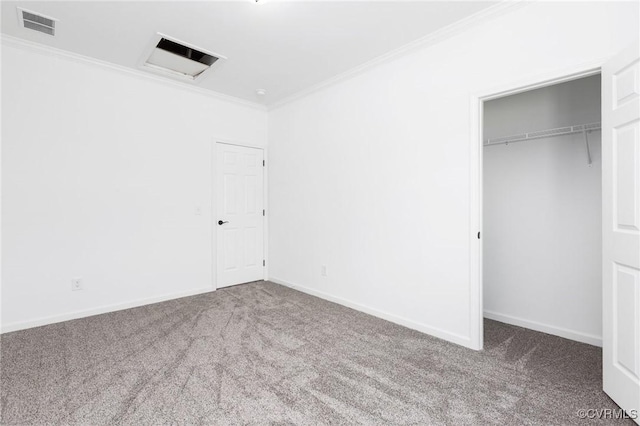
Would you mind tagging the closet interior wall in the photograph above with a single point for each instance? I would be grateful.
(542, 213)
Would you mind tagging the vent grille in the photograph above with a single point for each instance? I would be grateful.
(40, 23)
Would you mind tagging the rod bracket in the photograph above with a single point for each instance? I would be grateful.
(586, 142)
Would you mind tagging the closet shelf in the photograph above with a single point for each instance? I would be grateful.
(559, 131)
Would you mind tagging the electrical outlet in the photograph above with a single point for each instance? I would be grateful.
(323, 270)
(76, 284)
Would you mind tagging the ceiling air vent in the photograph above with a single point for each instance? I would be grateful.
(174, 58)
(37, 22)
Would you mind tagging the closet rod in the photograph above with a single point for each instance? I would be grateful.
(559, 131)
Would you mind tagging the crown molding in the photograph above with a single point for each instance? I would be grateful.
(19, 43)
(430, 39)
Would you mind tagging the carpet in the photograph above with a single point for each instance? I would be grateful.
(261, 353)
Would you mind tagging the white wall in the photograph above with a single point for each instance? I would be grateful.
(542, 218)
(102, 171)
(370, 176)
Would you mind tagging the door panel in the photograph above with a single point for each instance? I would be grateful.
(621, 229)
(230, 194)
(239, 198)
(625, 147)
(626, 295)
(251, 247)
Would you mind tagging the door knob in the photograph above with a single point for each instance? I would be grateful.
(222, 222)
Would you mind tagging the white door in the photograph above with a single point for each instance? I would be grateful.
(240, 215)
(621, 229)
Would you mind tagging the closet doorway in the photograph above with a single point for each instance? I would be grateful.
(619, 158)
(542, 210)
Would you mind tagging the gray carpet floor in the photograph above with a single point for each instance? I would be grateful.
(261, 353)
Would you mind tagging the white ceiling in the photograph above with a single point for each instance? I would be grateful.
(281, 46)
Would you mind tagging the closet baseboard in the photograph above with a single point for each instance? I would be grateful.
(589, 339)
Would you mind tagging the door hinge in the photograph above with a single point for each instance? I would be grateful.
(263, 163)
(478, 234)
(262, 212)
(264, 262)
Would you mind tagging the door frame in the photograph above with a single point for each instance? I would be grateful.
(476, 103)
(214, 207)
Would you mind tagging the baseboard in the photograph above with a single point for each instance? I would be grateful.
(433, 331)
(546, 328)
(15, 326)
